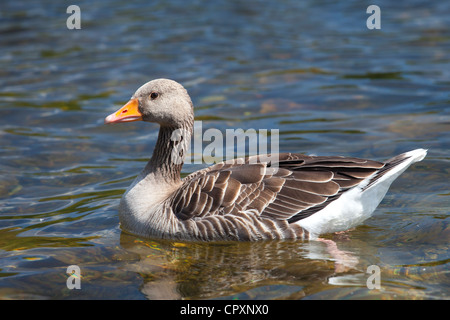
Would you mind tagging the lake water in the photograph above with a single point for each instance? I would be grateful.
(311, 69)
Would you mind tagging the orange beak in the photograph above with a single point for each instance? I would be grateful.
(129, 112)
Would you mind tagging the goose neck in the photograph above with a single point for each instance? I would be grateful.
(169, 153)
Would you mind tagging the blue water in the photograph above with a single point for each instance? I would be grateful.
(311, 69)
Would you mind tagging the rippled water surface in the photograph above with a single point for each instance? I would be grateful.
(311, 69)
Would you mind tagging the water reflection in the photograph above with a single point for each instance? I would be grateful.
(247, 270)
(333, 268)
(313, 71)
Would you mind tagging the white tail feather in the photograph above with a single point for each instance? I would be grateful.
(357, 204)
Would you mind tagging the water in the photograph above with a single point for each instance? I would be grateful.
(310, 69)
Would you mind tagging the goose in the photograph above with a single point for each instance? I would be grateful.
(292, 196)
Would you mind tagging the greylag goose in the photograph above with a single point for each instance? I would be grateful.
(243, 199)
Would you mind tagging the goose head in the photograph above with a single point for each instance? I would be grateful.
(162, 101)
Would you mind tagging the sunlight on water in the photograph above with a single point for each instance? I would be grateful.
(315, 72)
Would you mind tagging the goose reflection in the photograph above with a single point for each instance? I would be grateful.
(251, 270)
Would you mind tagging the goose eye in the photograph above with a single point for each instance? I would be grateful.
(154, 95)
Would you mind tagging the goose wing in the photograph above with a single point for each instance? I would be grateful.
(291, 188)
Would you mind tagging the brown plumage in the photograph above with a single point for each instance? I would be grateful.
(301, 183)
(293, 197)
